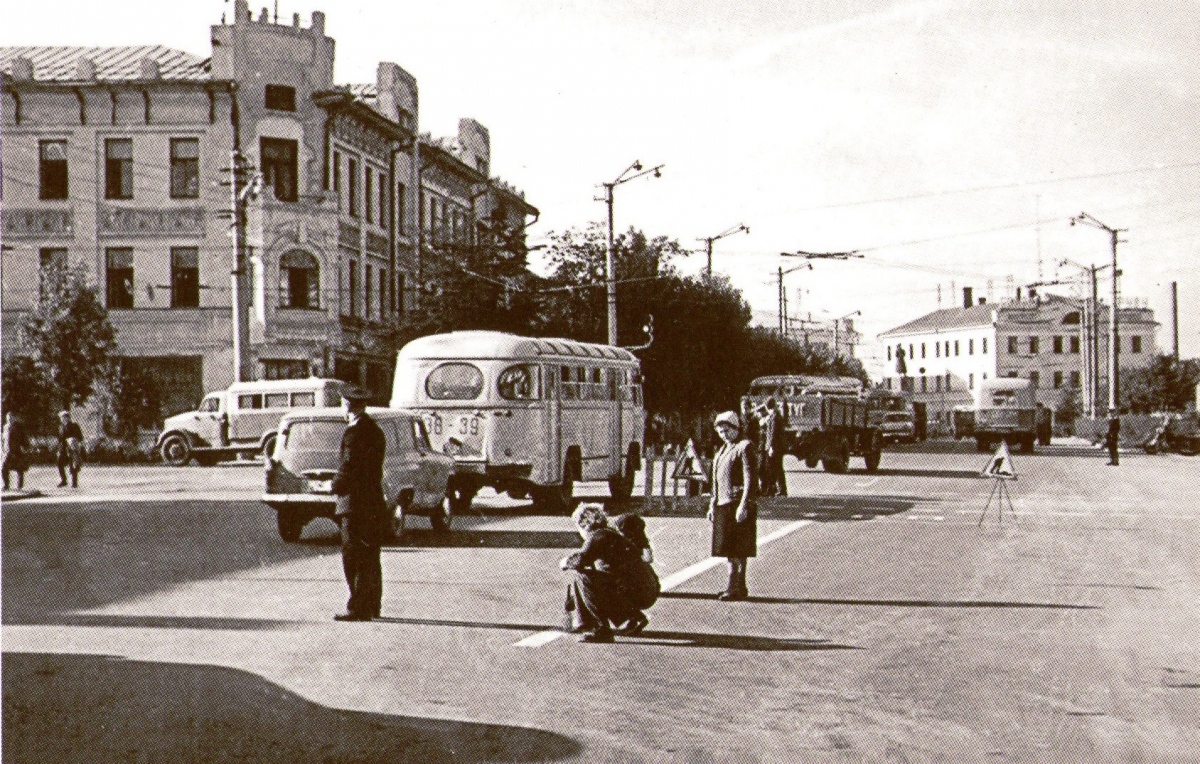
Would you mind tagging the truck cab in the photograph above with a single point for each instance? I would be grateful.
(1007, 410)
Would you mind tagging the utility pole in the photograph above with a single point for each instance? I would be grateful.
(1114, 334)
(782, 304)
(1090, 329)
(610, 275)
(808, 256)
(240, 289)
(1175, 320)
(708, 243)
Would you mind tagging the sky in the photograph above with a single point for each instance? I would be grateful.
(946, 142)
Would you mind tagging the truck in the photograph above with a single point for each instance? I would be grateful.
(825, 419)
(1007, 410)
(892, 415)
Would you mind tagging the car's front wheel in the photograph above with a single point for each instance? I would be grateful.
(291, 524)
(176, 451)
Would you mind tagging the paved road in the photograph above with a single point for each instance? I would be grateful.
(155, 615)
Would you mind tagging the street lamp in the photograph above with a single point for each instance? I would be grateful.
(783, 295)
(631, 172)
(708, 242)
(837, 326)
(1114, 349)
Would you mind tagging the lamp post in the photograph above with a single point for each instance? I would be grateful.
(610, 274)
(1114, 349)
(837, 326)
(1090, 328)
(708, 243)
(783, 296)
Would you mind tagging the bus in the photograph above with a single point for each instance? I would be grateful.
(527, 416)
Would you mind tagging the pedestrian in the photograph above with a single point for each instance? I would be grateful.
(641, 582)
(15, 446)
(732, 510)
(774, 480)
(69, 456)
(1113, 437)
(597, 593)
(361, 511)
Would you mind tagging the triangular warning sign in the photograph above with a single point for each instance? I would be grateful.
(1000, 466)
(690, 464)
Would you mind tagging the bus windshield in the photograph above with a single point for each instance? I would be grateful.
(454, 382)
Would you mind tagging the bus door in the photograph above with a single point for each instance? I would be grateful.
(554, 452)
(613, 379)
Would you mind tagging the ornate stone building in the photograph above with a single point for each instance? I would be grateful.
(117, 160)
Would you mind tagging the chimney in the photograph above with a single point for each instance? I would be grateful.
(967, 297)
(22, 69)
(318, 22)
(983, 301)
(1018, 294)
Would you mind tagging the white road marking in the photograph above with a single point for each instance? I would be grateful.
(867, 484)
(674, 580)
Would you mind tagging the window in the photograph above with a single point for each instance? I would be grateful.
(352, 286)
(279, 167)
(401, 224)
(383, 201)
(1058, 344)
(971, 381)
(211, 404)
(922, 349)
(304, 400)
(185, 277)
(1034, 378)
(400, 285)
(352, 186)
(924, 384)
(367, 289)
(948, 378)
(299, 285)
(276, 400)
(368, 194)
(889, 352)
(118, 168)
(1071, 318)
(251, 401)
(937, 384)
(185, 168)
(280, 98)
(383, 293)
(454, 381)
(1135, 344)
(337, 177)
(1075, 345)
(1012, 345)
(1033, 345)
(52, 169)
(937, 350)
(288, 368)
(910, 352)
(50, 259)
(1074, 377)
(888, 383)
(518, 383)
(947, 348)
(970, 347)
(956, 347)
(984, 348)
(1058, 379)
(119, 277)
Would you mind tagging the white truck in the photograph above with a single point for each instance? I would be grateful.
(242, 419)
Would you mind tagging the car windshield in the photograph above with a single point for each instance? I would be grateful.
(1004, 398)
(454, 382)
(897, 418)
(210, 404)
(314, 435)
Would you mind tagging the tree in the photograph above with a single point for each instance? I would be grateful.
(1165, 385)
(24, 386)
(69, 335)
(131, 398)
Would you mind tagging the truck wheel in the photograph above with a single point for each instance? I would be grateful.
(834, 465)
(176, 451)
(1027, 444)
(291, 524)
(872, 460)
(982, 446)
(811, 463)
(440, 516)
(460, 496)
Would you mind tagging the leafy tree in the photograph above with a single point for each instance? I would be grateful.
(24, 385)
(130, 399)
(69, 334)
(1165, 385)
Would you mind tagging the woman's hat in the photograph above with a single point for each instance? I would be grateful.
(730, 418)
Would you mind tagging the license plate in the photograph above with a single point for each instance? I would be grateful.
(320, 486)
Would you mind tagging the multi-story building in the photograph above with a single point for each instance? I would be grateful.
(117, 160)
(942, 357)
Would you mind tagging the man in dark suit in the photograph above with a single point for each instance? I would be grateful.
(1112, 438)
(70, 449)
(362, 512)
(774, 479)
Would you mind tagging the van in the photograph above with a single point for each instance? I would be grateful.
(300, 470)
(242, 419)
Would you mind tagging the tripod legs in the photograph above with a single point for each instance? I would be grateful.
(1001, 493)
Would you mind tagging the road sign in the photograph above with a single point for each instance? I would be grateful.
(1000, 466)
(690, 465)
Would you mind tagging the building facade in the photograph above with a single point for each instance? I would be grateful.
(118, 161)
(942, 357)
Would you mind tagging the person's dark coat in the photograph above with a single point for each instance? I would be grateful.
(772, 431)
(16, 447)
(598, 592)
(360, 472)
(65, 433)
(734, 476)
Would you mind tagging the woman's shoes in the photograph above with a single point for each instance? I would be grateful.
(634, 626)
(596, 637)
(733, 596)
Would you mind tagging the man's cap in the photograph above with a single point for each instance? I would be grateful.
(356, 393)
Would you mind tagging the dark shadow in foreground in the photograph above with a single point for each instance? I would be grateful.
(884, 603)
(217, 623)
(64, 708)
(821, 508)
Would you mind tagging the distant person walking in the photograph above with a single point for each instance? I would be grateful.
(1112, 438)
(774, 481)
(15, 447)
(362, 511)
(732, 510)
(69, 456)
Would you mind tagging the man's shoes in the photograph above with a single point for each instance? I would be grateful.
(596, 637)
(63, 484)
(733, 596)
(635, 625)
(351, 617)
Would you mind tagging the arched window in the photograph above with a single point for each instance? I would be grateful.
(299, 281)
(1071, 318)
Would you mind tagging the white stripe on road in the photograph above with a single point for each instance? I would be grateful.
(867, 484)
(674, 580)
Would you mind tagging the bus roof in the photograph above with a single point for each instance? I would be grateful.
(486, 344)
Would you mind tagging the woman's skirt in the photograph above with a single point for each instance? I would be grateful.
(731, 538)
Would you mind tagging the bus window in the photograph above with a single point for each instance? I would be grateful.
(253, 401)
(568, 386)
(454, 382)
(518, 383)
(304, 400)
(277, 400)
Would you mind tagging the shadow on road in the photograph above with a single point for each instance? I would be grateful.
(818, 507)
(216, 623)
(735, 641)
(66, 708)
(885, 603)
(934, 473)
(419, 537)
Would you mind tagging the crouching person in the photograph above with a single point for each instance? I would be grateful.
(597, 592)
(642, 586)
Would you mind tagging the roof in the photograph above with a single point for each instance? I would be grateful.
(809, 381)
(485, 344)
(60, 63)
(264, 385)
(946, 319)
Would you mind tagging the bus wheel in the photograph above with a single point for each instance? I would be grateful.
(838, 463)
(621, 486)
